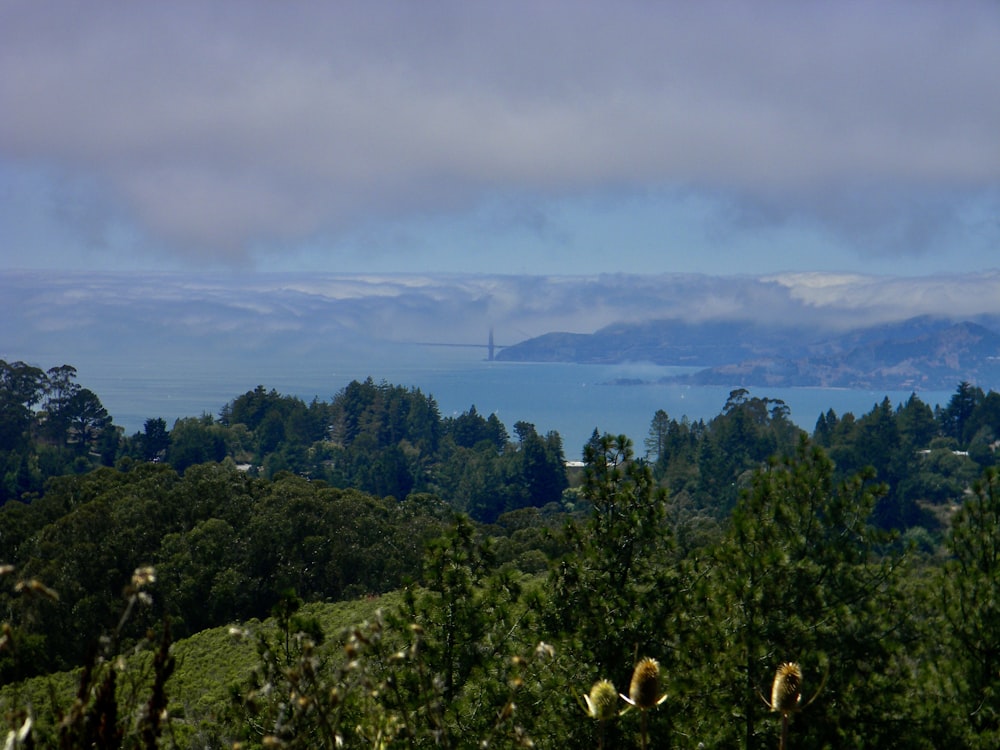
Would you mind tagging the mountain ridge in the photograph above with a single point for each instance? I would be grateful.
(923, 353)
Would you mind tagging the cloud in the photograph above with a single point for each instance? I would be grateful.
(223, 129)
(855, 297)
(322, 316)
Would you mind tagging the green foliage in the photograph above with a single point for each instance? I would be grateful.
(154, 441)
(108, 708)
(379, 688)
(959, 414)
(707, 464)
(470, 429)
(196, 440)
(972, 606)
(767, 549)
(226, 545)
(21, 387)
(388, 440)
(908, 448)
(480, 653)
(798, 578)
(614, 595)
(71, 432)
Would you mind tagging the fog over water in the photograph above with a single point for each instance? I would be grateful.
(177, 345)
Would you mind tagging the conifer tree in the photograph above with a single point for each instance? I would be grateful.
(972, 593)
(798, 579)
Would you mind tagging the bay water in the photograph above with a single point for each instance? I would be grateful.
(571, 399)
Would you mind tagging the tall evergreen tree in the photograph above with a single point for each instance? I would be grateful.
(798, 578)
(972, 592)
(602, 590)
(956, 415)
(656, 440)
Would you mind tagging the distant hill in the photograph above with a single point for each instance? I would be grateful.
(925, 352)
(662, 342)
(798, 329)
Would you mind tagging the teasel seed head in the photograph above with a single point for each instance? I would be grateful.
(143, 577)
(786, 692)
(644, 691)
(602, 701)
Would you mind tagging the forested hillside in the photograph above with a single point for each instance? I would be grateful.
(383, 439)
(865, 553)
(928, 352)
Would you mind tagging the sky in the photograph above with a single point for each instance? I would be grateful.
(540, 137)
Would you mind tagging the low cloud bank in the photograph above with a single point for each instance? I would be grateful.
(65, 314)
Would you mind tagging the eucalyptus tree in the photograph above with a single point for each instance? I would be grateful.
(21, 387)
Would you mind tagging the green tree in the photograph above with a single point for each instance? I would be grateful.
(196, 572)
(195, 440)
(972, 598)
(656, 440)
(469, 429)
(542, 468)
(826, 424)
(60, 387)
(455, 568)
(155, 439)
(87, 419)
(749, 431)
(983, 428)
(270, 433)
(916, 423)
(955, 417)
(477, 481)
(602, 591)
(799, 578)
(252, 407)
(472, 621)
(879, 442)
(21, 387)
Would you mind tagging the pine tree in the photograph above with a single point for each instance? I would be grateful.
(973, 607)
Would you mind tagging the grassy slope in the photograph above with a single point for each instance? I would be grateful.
(208, 665)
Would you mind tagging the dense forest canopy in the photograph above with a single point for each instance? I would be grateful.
(389, 440)
(865, 552)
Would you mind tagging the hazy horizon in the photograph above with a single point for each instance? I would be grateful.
(176, 344)
(215, 181)
(49, 309)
